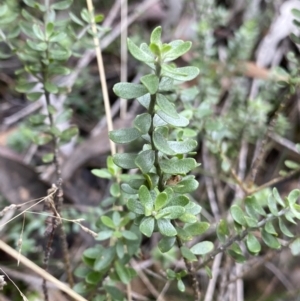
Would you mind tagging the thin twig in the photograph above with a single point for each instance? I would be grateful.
(101, 74)
(124, 56)
(212, 282)
(41, 272)
(146, 281)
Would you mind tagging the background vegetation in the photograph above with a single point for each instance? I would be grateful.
(215, 215)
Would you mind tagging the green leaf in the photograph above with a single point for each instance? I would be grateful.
(3, 10)
(270, 240)
(270, 228)
(101, 173)
(181, 74)
(60, 54)
(75, 19)
(129, 90)
(253, 207)
(171, 274)
(125, 160)
(47, 158)
(38, 33)
(129, 235)
(178, 166)
(171, 212)
(239, 258)
(42, 139)
(122, 272)
(295, 209)
(64, 116)
(68, 134)
(107, 221)
(251, 222)
(115, 293)
(161, 201)
(176, 122)
(180, 200)
(180, 285)
(59, 37)
(104, 235)
(104, 259)
(25, 87)
(33, 96)
(147, 226)
(49, 29)
(161, 143)
(295, 247)
(202, 248)
(182, 147)
(135, 206)
(272, 205)
(253, 244)
(156, 35)
(196, 229)
(238, 215)
(293, 196)
(188, 218)
(166, 106)
(145, 160)
(284, 229)
(186, 253)
(146, 199)
(42, 46)
(99, 18)
(277, 197)
(166, 228)
(291, 164)
(115, 190)
(222, 230)
(123, 136)
(61, 5)
(51, 88)
(186, 185)
(142, 123)
(166, 243)
(138, 53)
(290, 217)
(150, 81)
(178, 51)
(37, 119)
(93, 277)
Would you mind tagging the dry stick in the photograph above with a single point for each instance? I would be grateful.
(212, 282)
(124, 56)
(101, 74)
(146, 281)
(58, 198)
(41, 272)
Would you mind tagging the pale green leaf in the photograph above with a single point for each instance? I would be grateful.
(147, 226)
(166, 243)
(123, 136)
(150, 81)
(129, 90)
(125, 160)
(253, 244)
(202, 248)
(138, 53)
(145, 160)
(166, 228)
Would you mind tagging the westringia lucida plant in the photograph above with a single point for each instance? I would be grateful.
(157, 195)
(156, 198)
